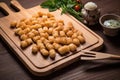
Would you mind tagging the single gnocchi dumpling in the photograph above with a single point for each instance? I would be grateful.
(72, 47)
(50, 15)
(74, 35)
(45, 35)
(69, 33)
(50, 30)
(21, 25)
(40, 30)
(76, 41)
(34, 22)
(62, 34)
(63, 40)
(55, 24)
(70, 25)
(60, 22)
(56, 46)
(44, 17)
(55, 33)
(27, 30)
(64, 49)
(49, 46)
(40, 14)
(69, 40)
(23, 37)
(47, 23)
(31, 35)
(36, 38)
(35, 32)
(57, 40)
(29, 41)
(46, 41)
(13, 24)
(51, 39)
(23, 44)
(17, 31)
(42, 39)
(59, 28)
(66, 29)
(34, 49)
(21, 32)
(44, 52)
(45, 29)
(40, 45)
(52, 53)
(81, 39)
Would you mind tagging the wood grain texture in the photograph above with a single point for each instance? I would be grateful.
(37, 64)
(12, 69)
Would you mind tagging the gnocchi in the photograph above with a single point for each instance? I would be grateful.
(34, 49)
(44, 52)
(13, 24)
(76, 41)
(47, 35)
(72, 47)
(52, 53)
(63, 50)
(23, 37)
(23, 44)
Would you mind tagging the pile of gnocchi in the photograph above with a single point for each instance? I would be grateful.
(47, 35)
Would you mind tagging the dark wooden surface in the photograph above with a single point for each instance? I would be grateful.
(12, 69)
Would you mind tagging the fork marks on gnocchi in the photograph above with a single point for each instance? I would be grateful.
(47, 35)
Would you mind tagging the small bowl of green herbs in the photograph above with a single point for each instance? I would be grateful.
(110, 24)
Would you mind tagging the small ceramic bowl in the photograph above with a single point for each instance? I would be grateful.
(108, 30)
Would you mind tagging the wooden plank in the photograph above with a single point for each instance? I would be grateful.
(36, 63)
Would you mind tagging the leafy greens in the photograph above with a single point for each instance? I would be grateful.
(67, 6)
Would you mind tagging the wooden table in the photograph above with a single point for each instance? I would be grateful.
(11, 67)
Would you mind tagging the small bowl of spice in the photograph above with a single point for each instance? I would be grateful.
(110, 24)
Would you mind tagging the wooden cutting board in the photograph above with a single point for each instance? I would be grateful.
(37, 64)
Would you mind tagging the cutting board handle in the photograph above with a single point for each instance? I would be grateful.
(5, 9)
(16, 4)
